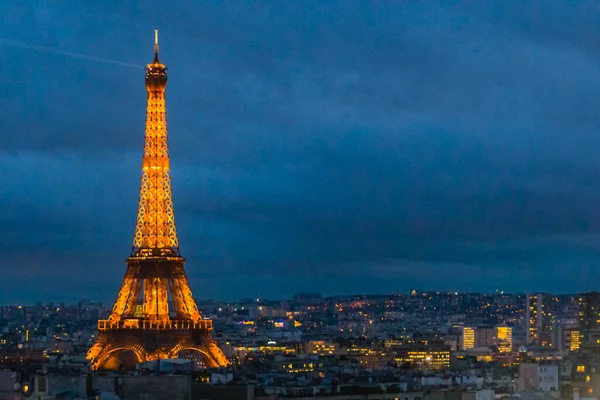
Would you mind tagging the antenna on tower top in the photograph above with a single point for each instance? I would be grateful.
(156, 45)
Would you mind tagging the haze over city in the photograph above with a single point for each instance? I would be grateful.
(340, 147)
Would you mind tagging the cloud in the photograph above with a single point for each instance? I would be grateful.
(353, 142)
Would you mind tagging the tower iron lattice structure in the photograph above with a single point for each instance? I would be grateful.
(155, 315)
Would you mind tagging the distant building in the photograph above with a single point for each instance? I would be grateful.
(574, 339)
(589, 317)
(539, 319)
(468, 338)
(538, 377)
(485, 394)
(296, 365)
(504, 338)
(566, 338)
(80, 386)
(428, 356)
(7, 383)
(486, 337)
(221, 376)
(499, 337)
(320, 348)
(585, 376)
(454, 341)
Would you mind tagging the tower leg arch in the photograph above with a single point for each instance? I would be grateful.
(211, 360)
(111, 357)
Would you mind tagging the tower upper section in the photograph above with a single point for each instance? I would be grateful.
(155, 233)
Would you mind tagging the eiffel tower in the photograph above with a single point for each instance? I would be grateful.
(155, 315)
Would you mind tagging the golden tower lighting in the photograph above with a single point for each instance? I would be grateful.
(155, 315)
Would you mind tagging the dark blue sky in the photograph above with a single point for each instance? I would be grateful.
(337, 147)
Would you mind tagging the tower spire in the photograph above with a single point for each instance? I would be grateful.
(156, 46)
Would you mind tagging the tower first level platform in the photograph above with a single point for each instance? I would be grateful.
(126, 343)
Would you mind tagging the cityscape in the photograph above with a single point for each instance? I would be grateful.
(395, 345)
(459, 269)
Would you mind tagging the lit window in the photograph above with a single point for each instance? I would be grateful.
(581, 368)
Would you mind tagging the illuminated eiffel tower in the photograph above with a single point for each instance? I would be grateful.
(155, 315)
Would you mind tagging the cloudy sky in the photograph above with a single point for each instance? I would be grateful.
(336, 147)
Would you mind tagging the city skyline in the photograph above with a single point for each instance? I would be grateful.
(455, 150)
(322, 297)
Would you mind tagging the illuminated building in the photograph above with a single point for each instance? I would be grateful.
(504, 339)
(566, 337)
(589, 317)
(375, 359)
(539, 319)
(574, 341)
(298, 366)
(424, 356)
(499, 337)
(585, 377)
(249, 353)
(485, 358)
(468, 338)
(391, 343)
(533, 309)
(155, 315)
(321, 348)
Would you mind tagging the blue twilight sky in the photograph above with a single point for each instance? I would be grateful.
(336, 147)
